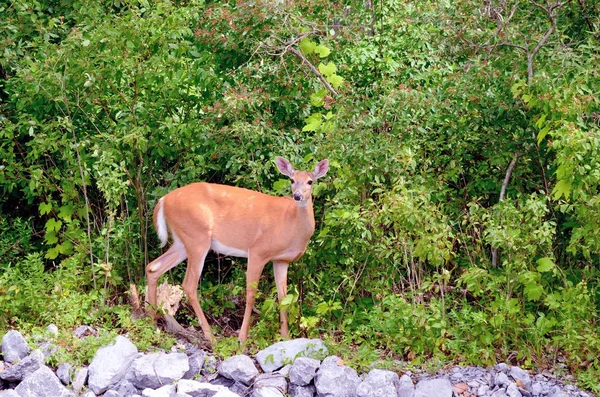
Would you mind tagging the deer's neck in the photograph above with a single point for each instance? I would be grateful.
(304, 218)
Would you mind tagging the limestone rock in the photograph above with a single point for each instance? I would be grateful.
(110, 364)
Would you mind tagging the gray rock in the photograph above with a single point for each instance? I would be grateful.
(267, 391)
(502, 367)
(440, 387)
(14, 346)
(201, 389)
(9, 393)
(282, 353)
(123, 389)
(152, 371)
(239, 368)
(42, 383)
(83, 331)
(164, 391)
(110, 364)
(210, 365)
(518, 374)
(303, 370)
(483, 390)
(240, 389)
(48, 349)
(301, 391)
(23, 368)
(271, 380)
(195, 362)
(537, 389)
(335, 379)
(80, 379)
(557, 392)
(285, 370)
(406, 388)
(379, 383)
(52, 329)
(501, 380)
(64, 373)
(89, 393)
(513, 391)
(499, 393)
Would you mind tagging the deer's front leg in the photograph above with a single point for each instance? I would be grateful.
(255, 267)
(280, 270)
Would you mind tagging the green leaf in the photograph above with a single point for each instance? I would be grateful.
(335, 80)
(545, 265)
(65, 212)
(52, 253)
(53, 225)
(322, 51)
(328, 69)
(313, 122)
(45, 208)
(562, 188)
(533, 291)
(318, 98)
(542, 134)
(282, 185)
(307, 46)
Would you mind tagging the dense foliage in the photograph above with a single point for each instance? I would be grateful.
(459, 220)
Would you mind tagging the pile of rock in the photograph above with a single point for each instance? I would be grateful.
(287, 368)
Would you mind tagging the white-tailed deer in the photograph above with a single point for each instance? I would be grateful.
(237, 222)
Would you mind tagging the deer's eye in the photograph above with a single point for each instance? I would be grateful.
(293, 181)
(309, 182)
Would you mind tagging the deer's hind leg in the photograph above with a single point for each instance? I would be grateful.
(171, 258)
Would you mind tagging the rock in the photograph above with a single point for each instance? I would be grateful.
(513, 391)
(42, 383)
(537, 389)
(122, 389)
(64, 373)
(14, 346)
(210, 365)
(440, 387)
(195, 362)
(406, 388)
(282, 353)
(157, 369)
(301, 391)
(239, 368)
(201, 389)
(335, 379)
(520, 375)
(90, 393)
(379, 383)
(285, 370)
(557, 392)
(83, 331)
(502, 367)
(23, 368)
(110, 364)
(52, 329)
(501, 380)
(9, 393)
(80, 379)
(267, 391)
(271, 380)
(303, 370)
(48, 349)
(164, 391)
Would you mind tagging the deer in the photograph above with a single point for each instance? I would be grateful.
(237, 222)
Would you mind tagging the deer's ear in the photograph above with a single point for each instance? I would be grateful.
(284, 167)
(321, 169)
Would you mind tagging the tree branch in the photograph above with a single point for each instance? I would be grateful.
(313, 69)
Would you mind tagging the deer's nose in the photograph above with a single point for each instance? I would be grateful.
(297, 196)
